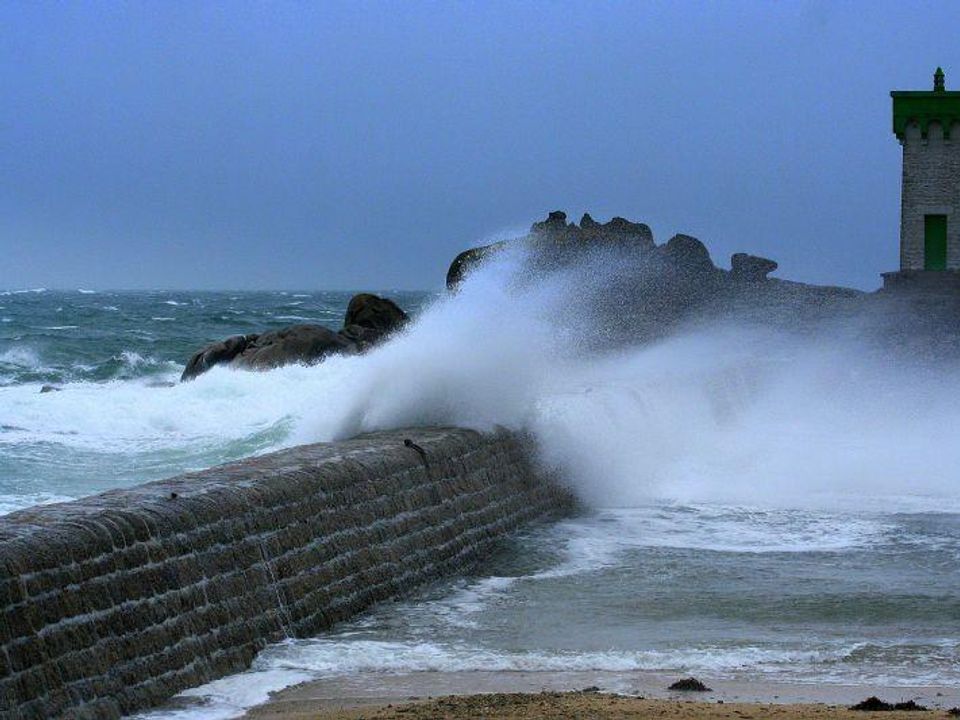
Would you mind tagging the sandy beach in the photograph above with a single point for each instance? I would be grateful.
(518, 706)
(509, 696)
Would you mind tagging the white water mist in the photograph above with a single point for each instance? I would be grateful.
(727, 413)
(712, 413)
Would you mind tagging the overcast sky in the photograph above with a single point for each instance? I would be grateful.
(354, 145)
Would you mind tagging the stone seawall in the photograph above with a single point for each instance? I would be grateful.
(115, 602)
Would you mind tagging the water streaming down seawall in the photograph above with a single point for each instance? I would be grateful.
(115, 602)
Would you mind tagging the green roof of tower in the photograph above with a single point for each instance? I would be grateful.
(926, 106)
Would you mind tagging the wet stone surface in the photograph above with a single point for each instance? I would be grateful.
(115, 602)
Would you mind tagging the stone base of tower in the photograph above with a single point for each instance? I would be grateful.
(928, 281)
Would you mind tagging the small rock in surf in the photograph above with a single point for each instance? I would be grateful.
(690, 684)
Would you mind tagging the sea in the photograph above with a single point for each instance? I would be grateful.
(754, 506)
(114, 414)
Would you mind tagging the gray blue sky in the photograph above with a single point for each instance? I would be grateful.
(330, 145)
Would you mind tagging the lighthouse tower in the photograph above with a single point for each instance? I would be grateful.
(927, 124)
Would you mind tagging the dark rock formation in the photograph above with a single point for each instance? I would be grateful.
(648, 289)
(556, 222)
(750, 267)
(688, 254)
(217, 353)
(556, 243)
(466, 261)
(690, 684)
(292, 344)
(875, 704)
(369, 320)
(872, 704)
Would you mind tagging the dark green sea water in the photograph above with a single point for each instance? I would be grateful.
(114, 423)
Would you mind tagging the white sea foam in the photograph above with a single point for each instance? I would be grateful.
(729, 415)
(10, 503)
(292, 662)
(231, 696)
(135, 359)
(336, 657)
(7, 293)
(128, 417)
(21, 357)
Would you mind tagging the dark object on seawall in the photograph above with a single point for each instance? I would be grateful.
(407, 442)
(368, 321)
(875, 704)
(690, 684)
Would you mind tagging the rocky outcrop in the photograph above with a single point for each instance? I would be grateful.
(293, 344)
(556, 242)
(369, 320)
(467, 260)
(750, 267)
(687, 254)
(647, 289)
(216, 353)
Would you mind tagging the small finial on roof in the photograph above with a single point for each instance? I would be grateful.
(938, 84)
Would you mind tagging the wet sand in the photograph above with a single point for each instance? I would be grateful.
(519, 695)
(575, 706)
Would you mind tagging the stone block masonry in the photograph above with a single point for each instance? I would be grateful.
(113, 603)
(930, 186)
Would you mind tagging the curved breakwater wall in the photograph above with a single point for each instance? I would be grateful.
(115, 602)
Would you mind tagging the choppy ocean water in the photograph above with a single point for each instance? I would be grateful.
(730, 594)
(755, 510)
(115, 421)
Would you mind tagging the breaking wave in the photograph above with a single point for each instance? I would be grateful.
(724, 413)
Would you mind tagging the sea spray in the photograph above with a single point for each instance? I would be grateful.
(714, 410)
(698, 442)
(628, 407)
